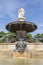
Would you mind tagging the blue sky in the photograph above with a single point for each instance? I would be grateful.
(33, 12)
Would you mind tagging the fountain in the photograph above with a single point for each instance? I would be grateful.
(21, 27)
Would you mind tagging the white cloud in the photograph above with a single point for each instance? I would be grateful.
(40, 25)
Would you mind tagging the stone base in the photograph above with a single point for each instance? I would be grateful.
(25, 54)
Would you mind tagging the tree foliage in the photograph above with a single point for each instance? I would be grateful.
(28, 35)
(11, 37)
(8, 37)
(40, 36)
(37, 35)
(2, 33)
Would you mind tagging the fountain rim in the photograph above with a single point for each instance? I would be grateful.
(22, 22)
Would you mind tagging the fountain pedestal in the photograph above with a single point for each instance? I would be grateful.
(21, 35)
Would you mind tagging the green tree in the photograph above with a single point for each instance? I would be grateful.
(41, 35)
(9, 37)
(28, 35)
(37, 36)
(2, 33)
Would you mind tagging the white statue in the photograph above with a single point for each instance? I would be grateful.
(21, 13)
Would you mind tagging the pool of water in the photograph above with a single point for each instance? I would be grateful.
(21, 61)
